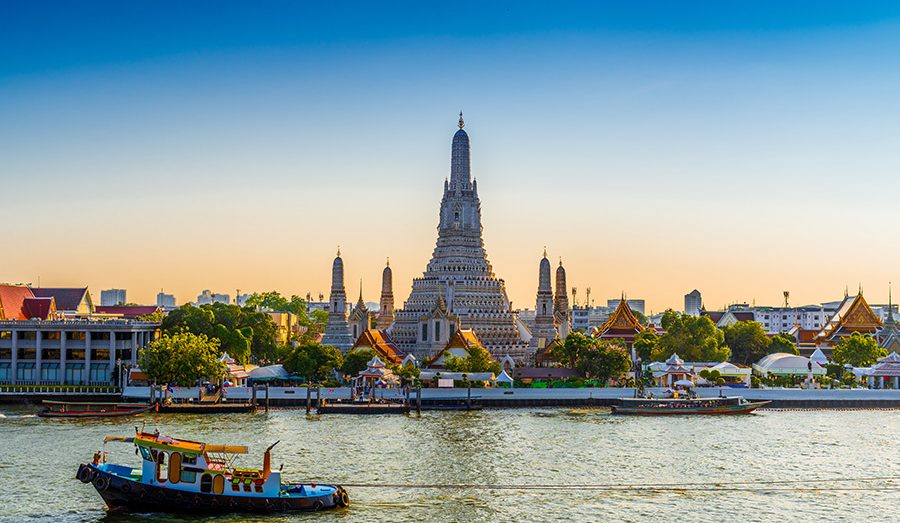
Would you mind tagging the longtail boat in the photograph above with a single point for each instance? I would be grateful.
(75, 409)
(178, 475)
(670, 406)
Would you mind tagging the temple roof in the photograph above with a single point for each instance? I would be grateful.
(853, 315)
(12, 301)
(381, 342)
(621, 321)
(67, 299)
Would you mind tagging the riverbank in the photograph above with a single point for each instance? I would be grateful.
(513, 398)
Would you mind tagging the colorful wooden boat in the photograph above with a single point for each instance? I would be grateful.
(193, 477)
(73, 409)
(671, 406)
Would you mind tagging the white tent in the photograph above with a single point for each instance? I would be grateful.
(504, 378)
(819, 357)
(269, 372)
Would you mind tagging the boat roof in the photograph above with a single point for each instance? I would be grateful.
(160, 441)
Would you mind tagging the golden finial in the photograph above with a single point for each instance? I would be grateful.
(461, 122)
(545, 251)
(339, 251)
(388, 263)
(560, 261)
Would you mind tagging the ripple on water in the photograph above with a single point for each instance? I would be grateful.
(515, 446)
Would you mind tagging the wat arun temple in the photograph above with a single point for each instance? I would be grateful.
(458, 289)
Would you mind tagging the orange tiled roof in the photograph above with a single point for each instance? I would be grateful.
(381, 343)
(12, 302)
(621, 321)
(854, 314)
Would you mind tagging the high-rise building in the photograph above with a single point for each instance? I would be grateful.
(693, 302)
(208, 297)
(111, 297)
(166, 301)
(458, 287)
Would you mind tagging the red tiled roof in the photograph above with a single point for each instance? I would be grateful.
(38, 308)
(744, 316)
(127, 311)
(12, 302)
(715, 316)
(67, 299)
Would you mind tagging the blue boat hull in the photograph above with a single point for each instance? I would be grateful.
(128, 495)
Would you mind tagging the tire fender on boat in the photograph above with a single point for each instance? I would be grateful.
(101, 482)
(126, 487)
(317, 505)
(341, 497)
(85, 474)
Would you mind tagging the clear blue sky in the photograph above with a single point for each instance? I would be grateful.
(742, 148)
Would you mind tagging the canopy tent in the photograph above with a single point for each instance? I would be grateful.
(819, 357)
(784, 364)
(504, 378)
(684, 383)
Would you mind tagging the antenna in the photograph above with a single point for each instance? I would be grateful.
(787, 297)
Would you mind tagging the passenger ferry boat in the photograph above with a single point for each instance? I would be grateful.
(75, 409)
(188, 476)
(669, 406)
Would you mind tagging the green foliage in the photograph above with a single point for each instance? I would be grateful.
(242, 332)
(313, 361)
(858, 350)
(154, 317)
(603, 360)
(569, 349)
(644, 343)
(694, 338)
(409, 372)
(182, 358)
(356, 361)
(477, 359)
(834, 370)
(747, 340)
(783, 343)
(755, 381)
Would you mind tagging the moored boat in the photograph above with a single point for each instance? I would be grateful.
(187, 476)
(85, 409)
(670, 406)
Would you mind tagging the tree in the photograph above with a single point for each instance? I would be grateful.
(244, 333)
(644, 343)
(603, 360)
(409, 372)
(569, 349)
(858, 350)
(313, 361)
(182, 358)
(747, 340)
(477, 359)
(357, 360)
(783, 343)
(694, 338)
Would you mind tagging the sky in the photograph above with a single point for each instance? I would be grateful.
(739, 148)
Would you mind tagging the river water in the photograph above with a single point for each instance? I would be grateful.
(38, 460)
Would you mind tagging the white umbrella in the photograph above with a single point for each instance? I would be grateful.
(684, 383)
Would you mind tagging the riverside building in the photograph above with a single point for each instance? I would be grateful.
(41, 346)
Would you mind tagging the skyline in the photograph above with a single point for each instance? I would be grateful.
(237, 147)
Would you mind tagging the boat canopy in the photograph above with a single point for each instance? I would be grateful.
(166, 443)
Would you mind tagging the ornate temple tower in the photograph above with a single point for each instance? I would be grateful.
(459, 285)
(337, 330)
(386, 314)
(544, 331)
(562, 315)
(359, 317)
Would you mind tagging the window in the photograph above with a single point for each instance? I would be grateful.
(162, 472)
(188, 476)
(424, 332)
(206, 483)
(145, 453)
(5, 335)
(437, 331)
(50, 335)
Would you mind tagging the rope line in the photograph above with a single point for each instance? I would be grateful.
(738, 486)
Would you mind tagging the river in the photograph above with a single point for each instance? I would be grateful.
(39, 457)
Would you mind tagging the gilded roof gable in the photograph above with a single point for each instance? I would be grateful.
(622, 319)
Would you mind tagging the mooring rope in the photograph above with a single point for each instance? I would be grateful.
(710, 486)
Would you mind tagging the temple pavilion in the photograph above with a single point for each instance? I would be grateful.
(885, 374)
(853, 315)
(622, 324)
(458, 346)
(381, 343)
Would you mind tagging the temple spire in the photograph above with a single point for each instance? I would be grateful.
(462, 123)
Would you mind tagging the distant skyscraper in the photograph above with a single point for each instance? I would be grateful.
(112, 297)
(386, 313)
(634, 305)
(693, 302)
(208, 297)
(459, 288)
(337, 330)
(166, 301)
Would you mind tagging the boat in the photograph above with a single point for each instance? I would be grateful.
(669, 406)
(74, 409)
(183, 476)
